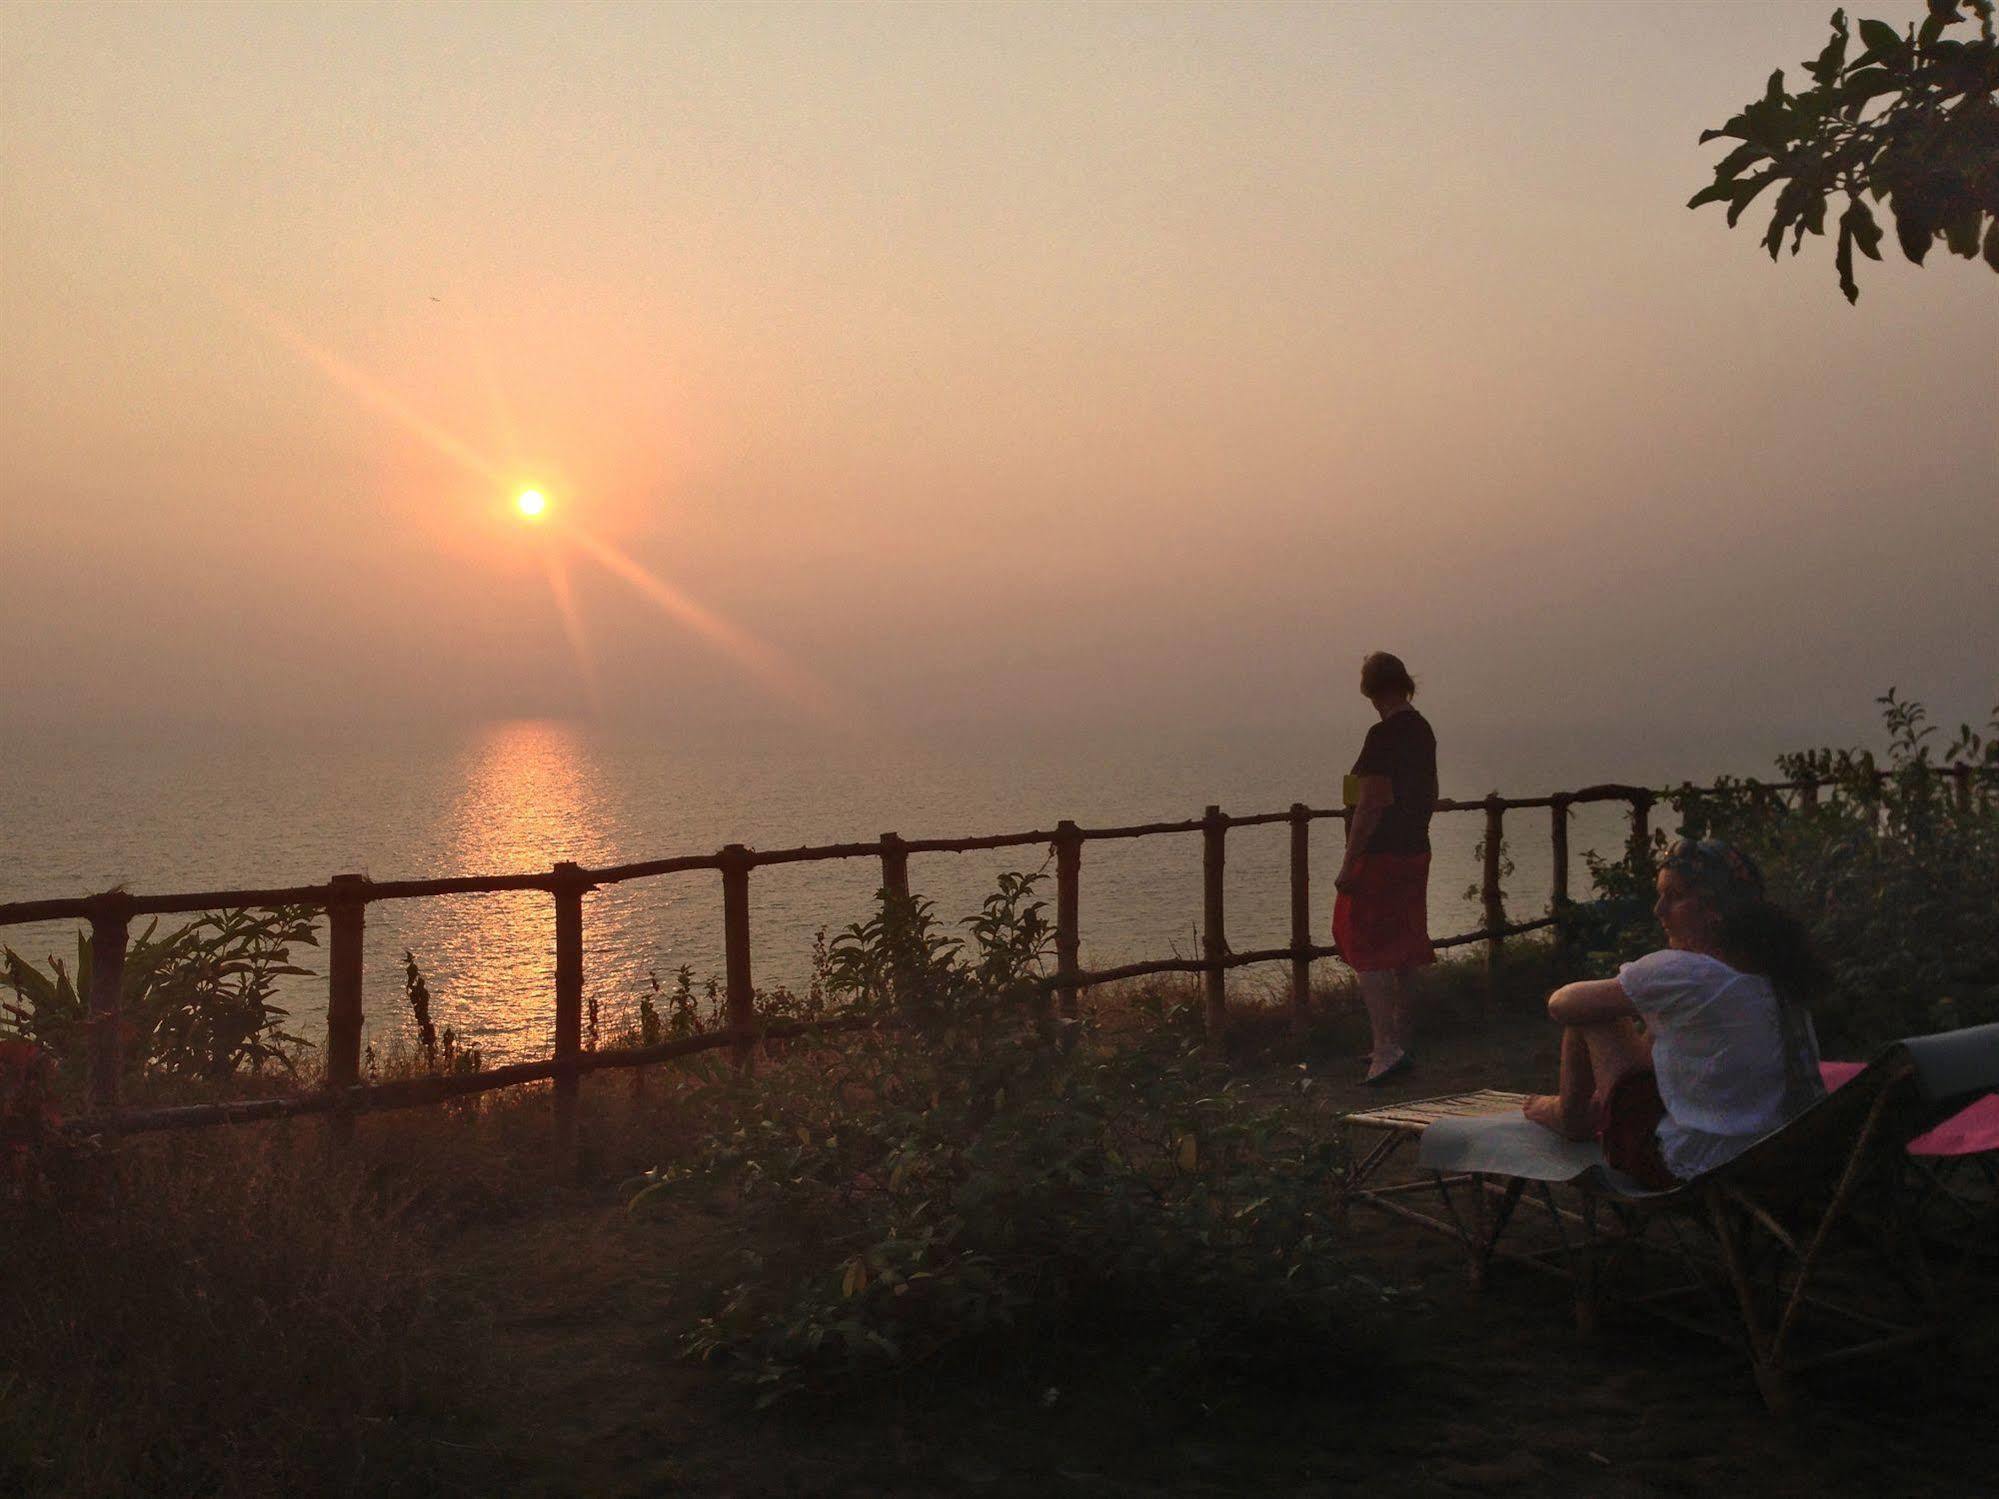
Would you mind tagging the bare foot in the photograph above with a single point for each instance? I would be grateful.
(1546, 1110)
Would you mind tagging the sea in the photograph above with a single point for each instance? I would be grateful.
(201, 808)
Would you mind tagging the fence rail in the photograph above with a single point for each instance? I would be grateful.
(346, 897)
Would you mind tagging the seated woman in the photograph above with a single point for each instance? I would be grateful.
(1726, 1052)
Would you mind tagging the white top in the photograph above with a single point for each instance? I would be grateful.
(1718, 1050)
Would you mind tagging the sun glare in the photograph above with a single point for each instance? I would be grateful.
(531, 503)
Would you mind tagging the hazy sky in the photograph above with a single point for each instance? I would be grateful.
(1129, 363)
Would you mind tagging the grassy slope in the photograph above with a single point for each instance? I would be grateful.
(448, 1314)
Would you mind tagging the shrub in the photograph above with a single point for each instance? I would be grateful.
(29, 1120)
(1893, 874)
(197, 1000)
(959, 1176)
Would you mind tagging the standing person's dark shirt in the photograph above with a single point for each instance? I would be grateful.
(1403, 748)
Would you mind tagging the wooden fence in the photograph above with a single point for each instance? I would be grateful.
(346, 898)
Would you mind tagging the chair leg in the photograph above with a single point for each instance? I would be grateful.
(1354, 1182)
(1932, 1309)
(1493, 1228)
(1476, 1257)
(1771, 1381)
(1774, 1385)
(1589, 1307)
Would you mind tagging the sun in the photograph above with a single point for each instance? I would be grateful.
(531, 503)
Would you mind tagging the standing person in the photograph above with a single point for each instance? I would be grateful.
(1381, 918)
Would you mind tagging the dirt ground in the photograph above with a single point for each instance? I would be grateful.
(1447, 1392)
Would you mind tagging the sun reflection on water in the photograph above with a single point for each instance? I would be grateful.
(530, 796)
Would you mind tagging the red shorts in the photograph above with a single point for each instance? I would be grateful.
(1383, 920)
(1628, 1129)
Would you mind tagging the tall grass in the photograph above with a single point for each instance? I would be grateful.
(248, 1311)
(224, 1314)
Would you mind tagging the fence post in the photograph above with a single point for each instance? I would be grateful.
(1301, 916)
(1641, 824)
(110, 925)
(346, 927)
(1558, 834)
(1558, 885)
(1214, 941)
(569, 886)
(742, 994)
(1961, 773)
(1491, 898)
(895, 865)
(1068, 900)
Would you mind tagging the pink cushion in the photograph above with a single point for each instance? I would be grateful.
(1836, 1073)
(1971, 1131)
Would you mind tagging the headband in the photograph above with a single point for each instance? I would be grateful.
(1719, 868)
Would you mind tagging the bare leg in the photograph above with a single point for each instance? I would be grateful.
(1405, 1008)
(1615, 1048)
(1380, 991)
(1594, 1057)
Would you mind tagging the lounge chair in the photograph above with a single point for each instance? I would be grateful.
(1800, 1247)
(1955, 1168)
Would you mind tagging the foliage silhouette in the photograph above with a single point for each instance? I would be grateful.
(1912, 119)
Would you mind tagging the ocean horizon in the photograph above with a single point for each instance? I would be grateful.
(195, 808)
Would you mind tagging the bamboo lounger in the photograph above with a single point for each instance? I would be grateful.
(1772, 1250)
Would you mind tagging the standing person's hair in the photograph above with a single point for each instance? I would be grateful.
(1382, 674)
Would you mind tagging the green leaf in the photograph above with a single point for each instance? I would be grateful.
(640, 1198)
(1746, 190)
(1790, 203)
(1732, 164)
(29, 982)
(1864, 85)
(1833, 58)
(1810, 221)
(1880, 38)
(1858, 220)
(1769, 123)
(1843, 262)
(1944, 13)
(1913, 229)
(1960, 230)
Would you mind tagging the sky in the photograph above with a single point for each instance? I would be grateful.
(932, 366)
